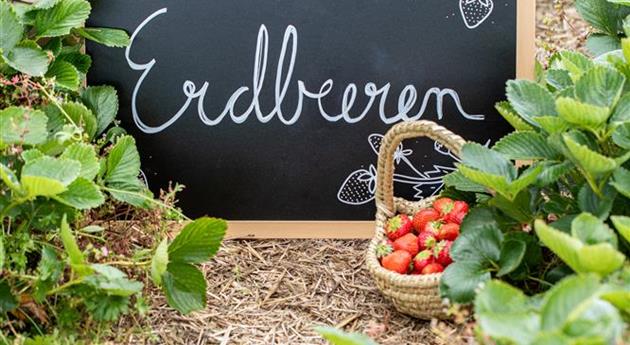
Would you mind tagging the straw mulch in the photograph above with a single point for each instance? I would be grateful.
(276, 291)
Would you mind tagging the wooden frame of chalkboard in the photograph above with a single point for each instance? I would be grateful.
(525, 61)
(291, 226)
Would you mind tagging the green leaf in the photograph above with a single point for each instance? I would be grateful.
(565, 298)
(44, 4)
(599, 205)
(123, 161)
(601, 258)
(559, 79)
(591, 161)
(61, 18)
(478, 244)
(9, 178)
(185, 287)
(502, 312)
(65, 74)
(107, 307)
(500, 297)
(81, 116)
(551, 172)
(132, 192)
(530, 99)
(103, 101)
(490, 181)
(599, 44)
(505, 109)
(48, 176)
(112, 281)
(460, 280)
(563, 245)
(552, 124)
(592, 230)
(525, 145)
(50, 270)
(573, 62)
(31, 154)
(621, 135)
(458, 181)
(22, 126)
(105, 36)
(198, 241)
(80, 61)
(512, 253)
(28, 58)
(8, 301)
(622, 111)
(84, 154)
(582, 114)
(621, 181)
(603, 15)
(11, 29)
(159, 262)
(622, 224)
(484, 159)
(81, 194)
(601, 86)
(337, 337)
(77, 261)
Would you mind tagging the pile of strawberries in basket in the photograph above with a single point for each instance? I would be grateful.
(421, 245)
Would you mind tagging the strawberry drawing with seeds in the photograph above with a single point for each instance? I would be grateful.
(475, 12)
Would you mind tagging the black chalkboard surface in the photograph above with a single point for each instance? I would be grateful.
(274, 109)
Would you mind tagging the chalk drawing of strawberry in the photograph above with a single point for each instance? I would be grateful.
(475, 12)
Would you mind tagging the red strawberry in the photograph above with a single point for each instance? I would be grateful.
(457, 214)
(443, 205)
(426, 240)
(408, 243)
(432, 268)
(443, 253)
(422, 217)
(383, 249)
(433, 226)
(448, 231)
(421, 260)
(397, 261)
(398, 226)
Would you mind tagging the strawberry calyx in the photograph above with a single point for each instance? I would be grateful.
(383, 249)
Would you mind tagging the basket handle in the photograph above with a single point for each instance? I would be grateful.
(391, 140)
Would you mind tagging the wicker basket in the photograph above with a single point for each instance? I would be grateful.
(415, 295)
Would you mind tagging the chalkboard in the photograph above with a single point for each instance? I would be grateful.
(274, 109)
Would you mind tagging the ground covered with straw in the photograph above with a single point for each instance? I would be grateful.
(276, 291)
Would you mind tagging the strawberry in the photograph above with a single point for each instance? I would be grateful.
(398, 226)
(383, 249)
(475, 12)
(426, 240)
(443, 253)
(408, 243)
(422, 217)
(457, 214)
(443, 205)
(448, 231)
(397, 261)
(432, 268)
(433, 226)
(421, 260)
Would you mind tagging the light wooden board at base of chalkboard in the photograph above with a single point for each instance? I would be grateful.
(526, 52)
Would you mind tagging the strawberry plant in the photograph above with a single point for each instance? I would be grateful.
(608, 18)
(62, 159)
(552, 218)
